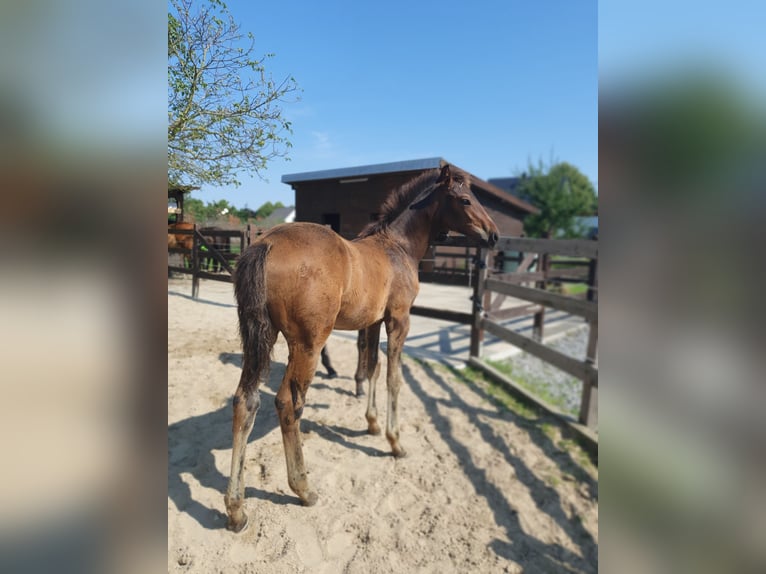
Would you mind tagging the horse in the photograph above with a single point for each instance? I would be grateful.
(181, 240)
(304, 280)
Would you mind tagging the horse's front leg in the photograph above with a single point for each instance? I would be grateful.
(397, 329)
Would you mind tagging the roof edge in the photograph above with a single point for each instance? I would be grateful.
(363, 170)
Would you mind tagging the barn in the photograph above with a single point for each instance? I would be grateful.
(347, 199)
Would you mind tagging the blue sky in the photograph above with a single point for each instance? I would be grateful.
(485, 85)
(642, 41)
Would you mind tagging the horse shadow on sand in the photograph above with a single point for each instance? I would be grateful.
(192, 442)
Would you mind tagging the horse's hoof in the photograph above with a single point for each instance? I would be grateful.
(332, 374)
(238, 527)
(399, 452)
(373, 428)
(360, 391)
(310, 499)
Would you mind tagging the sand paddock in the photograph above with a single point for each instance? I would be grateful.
(483, 488)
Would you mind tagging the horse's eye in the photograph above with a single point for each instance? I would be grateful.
(466, 201)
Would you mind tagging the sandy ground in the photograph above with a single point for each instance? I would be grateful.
(482, 489)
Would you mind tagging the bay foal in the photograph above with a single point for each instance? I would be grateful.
(303, 280)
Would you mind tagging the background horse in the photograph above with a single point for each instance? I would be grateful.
(303, 280)
(181, 240)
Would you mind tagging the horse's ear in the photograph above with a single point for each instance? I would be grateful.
(445, 175)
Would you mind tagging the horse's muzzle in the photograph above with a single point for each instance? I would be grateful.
(492, 239)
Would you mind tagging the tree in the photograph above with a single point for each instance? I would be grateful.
(562, 193)
(224, 108)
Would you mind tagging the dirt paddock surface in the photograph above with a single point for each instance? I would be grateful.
(483, 488)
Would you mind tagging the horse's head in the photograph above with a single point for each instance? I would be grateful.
(458, 209)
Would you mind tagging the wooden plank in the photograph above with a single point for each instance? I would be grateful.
(172, 231)
(215, 253)
(578, 369)
(513, 312)
(562, 303)
(444, 315)
(581, 274)
(566, 263)
(461, 279)
(570, 247)
(517, 278)
(221, 232)
(526, 263)
(590, 437)
(496, 303)
(447, 256)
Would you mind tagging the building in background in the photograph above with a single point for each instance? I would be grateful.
(347, 199)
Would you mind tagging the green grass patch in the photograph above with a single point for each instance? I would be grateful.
(497, 394)
(574, 288)
(533, 385)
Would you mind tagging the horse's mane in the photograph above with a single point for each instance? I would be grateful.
(400, 199)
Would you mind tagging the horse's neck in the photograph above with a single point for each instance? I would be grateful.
(412, 230)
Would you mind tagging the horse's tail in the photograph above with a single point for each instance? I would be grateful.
(255, 327)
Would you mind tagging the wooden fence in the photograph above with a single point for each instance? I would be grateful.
(533, 287)
(538, 267)
(206, 247)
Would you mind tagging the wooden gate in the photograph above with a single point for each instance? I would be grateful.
(207, 249)
(536, 266)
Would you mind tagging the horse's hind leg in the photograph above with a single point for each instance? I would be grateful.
(289, 401)
(245, 406)
(372, 370)
(331, 373)
(361, 362)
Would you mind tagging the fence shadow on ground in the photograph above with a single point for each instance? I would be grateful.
(522, 548)
(200, 300)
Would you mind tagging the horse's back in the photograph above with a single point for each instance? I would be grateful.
(307, 272)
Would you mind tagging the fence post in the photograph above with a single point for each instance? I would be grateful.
(589, 400)
(480, 277)
(592, 279)
(195, 263)
(543, 266)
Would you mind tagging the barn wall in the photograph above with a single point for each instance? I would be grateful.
(355, 203)
(509, 220)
